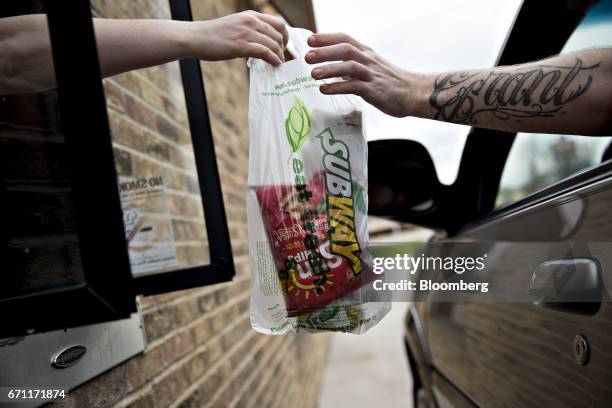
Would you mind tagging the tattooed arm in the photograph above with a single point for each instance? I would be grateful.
(570, 93)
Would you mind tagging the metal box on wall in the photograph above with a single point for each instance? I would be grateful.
(64, 359)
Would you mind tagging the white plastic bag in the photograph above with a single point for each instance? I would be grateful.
(307, 202)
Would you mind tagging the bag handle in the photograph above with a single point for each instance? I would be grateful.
(297, 45)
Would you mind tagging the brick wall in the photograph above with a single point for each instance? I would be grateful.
(201, 349)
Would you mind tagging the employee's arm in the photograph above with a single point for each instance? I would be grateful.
(570, 93)
(123, 45)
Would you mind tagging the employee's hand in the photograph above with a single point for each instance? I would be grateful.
(26, 63)
(246, 34)
(365, 73)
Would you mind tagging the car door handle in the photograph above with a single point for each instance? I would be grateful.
(572, 284)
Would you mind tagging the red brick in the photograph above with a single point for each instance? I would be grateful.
(171, 386)
(159, 322)
(144, 367)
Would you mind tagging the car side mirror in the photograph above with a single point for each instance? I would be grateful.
(402, 179)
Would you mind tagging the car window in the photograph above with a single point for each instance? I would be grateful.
(539, 160)
(420, 41)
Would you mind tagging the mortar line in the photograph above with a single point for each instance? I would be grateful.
(203, 289)
(174, 366)
(124, 117)
(260, 343)
(150, 106)
(272, 358)
(196, 321)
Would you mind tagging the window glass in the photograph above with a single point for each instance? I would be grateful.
(40, 251)
(539, 160)
(158, 181)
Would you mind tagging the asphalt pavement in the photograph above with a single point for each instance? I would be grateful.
(371, 369)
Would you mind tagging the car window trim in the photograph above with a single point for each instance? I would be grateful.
(588, 177)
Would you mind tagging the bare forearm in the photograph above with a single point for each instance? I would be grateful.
(123, 45)
(25, 54)
(569, 93)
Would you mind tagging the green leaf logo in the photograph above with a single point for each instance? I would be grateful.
(297, 125)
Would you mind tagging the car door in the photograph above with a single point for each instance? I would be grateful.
(552, 220)
(521, 353)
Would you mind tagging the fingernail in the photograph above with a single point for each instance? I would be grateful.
(309, 56)
(324, 87)
(316, 72)
(311, 40)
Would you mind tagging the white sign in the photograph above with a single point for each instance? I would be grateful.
(148, 225)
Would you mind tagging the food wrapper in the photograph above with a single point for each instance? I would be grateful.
(307, 203)
(310, 274)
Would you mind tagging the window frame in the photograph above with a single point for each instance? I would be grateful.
(221, 267)
(570, 21)
(471, 198)
(109, 290)
(95, 191)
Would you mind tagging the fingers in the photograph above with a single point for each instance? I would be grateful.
(345, 87)
(257, 37)
(268, 30)
(278, 24)
(325, 39)
(337, 52)
(345, 70)
(257, 50)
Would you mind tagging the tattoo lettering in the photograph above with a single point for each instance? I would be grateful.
(532, 91)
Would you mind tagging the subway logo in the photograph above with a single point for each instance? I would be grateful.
(340, 205)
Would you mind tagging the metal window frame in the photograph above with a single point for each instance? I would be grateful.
(109, 289)
(107, 292)
(221, 267)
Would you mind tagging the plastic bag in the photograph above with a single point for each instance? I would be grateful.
(306, 202)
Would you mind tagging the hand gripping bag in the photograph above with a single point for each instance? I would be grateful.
(307, 202)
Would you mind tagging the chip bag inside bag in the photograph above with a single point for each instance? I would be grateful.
(306, 202)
